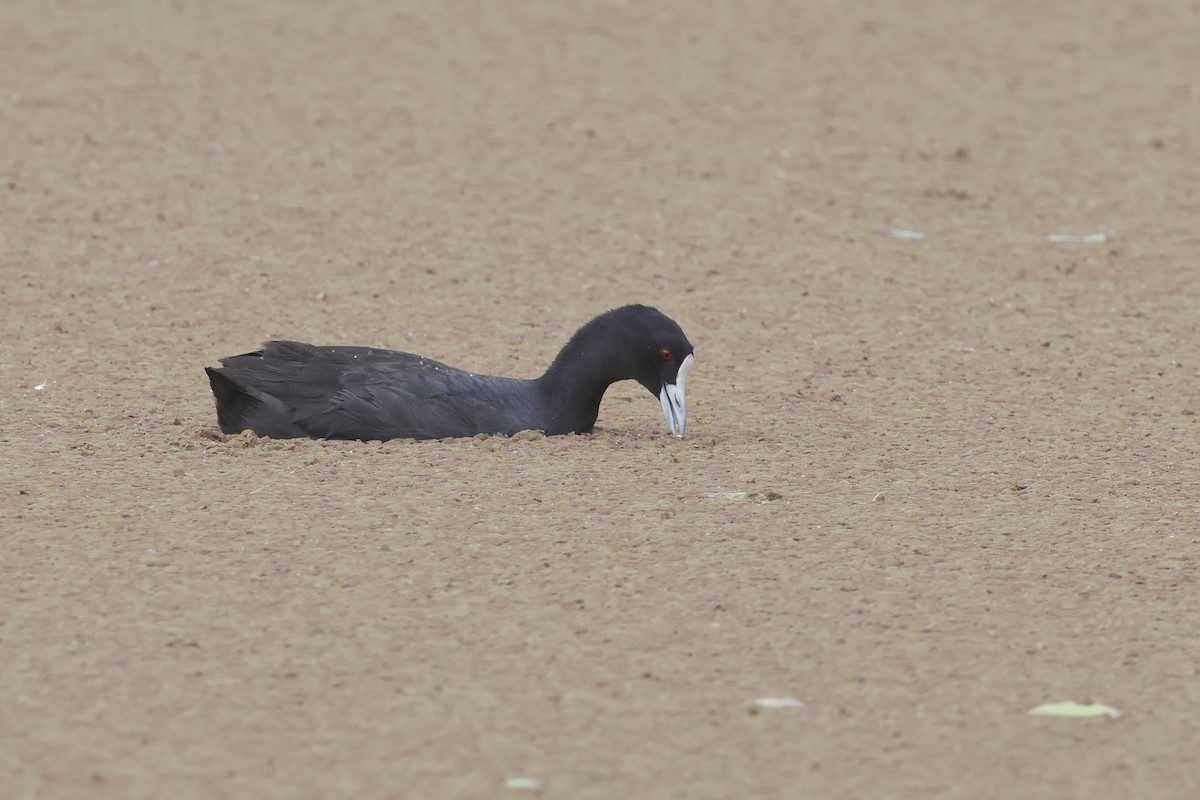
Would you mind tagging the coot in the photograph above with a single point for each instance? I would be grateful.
(289, 390)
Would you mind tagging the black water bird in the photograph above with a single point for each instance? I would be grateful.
(293, 390)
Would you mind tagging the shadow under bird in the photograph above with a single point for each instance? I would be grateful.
(291, 390)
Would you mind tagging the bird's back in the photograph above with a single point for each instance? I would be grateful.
(296, 389)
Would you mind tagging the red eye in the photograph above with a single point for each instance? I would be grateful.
(666, 354)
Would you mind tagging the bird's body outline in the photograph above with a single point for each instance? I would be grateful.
(290, 389)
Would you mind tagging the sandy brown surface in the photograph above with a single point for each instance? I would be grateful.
(985, 442)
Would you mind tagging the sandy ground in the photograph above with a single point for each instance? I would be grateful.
(984, 442)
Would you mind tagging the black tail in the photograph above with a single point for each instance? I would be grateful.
(234, 404)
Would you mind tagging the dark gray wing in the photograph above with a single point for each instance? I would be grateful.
(367, 393)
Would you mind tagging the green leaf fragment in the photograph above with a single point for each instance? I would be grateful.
(523, 783)
(1069, 708)
(758, 497)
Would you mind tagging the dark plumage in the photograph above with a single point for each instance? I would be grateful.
(290, 390)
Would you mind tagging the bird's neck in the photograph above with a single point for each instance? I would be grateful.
(574, 385)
